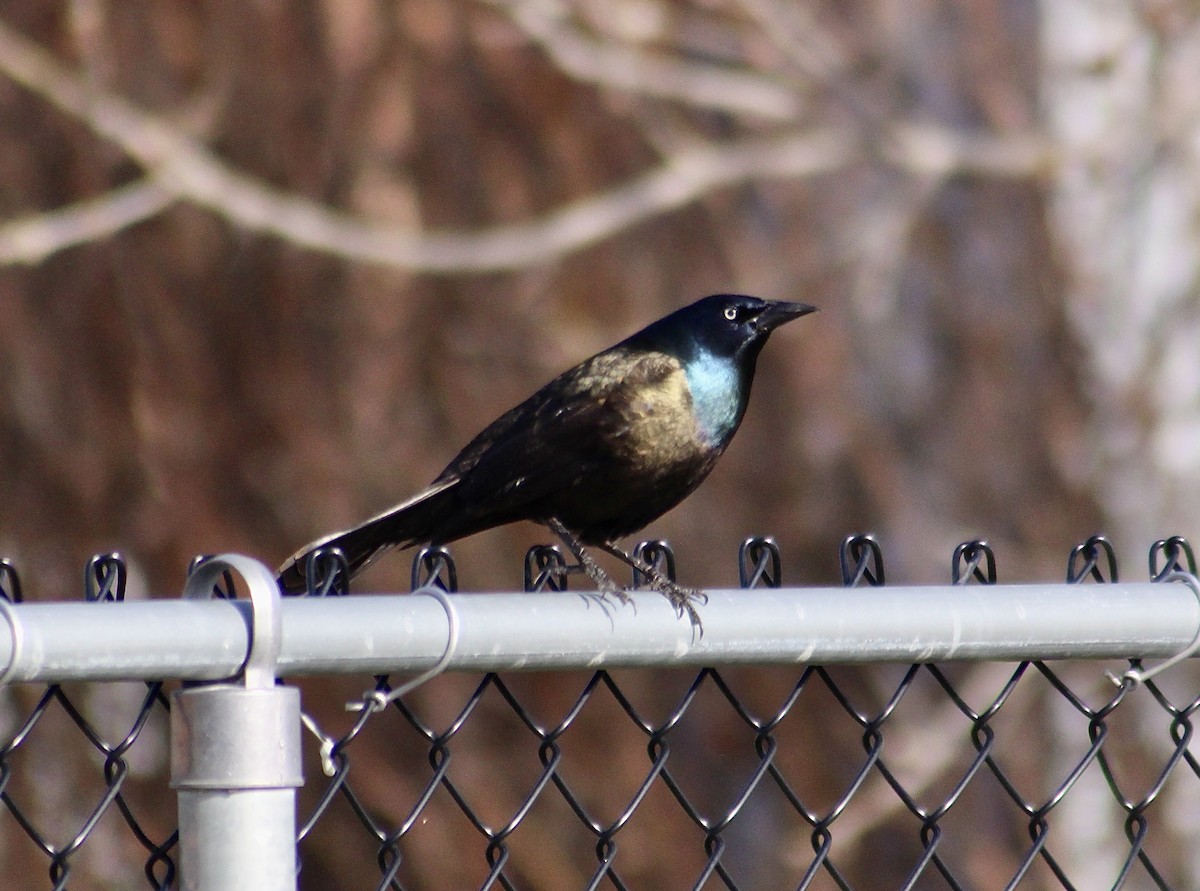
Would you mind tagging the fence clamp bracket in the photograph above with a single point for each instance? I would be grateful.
(243, 733)
(266, 625)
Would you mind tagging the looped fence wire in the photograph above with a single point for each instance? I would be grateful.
(10, 582)
(656, 554)
(545, 569)
(748, 778)
(973, 560)
(1094, 558)
(433, 566)
(1175, 554)
(104, 578)
(326, 573)
(759, 563)
(861, 560)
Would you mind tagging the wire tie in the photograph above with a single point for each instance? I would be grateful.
(1138, 675)
(377, 700)
(327, 743)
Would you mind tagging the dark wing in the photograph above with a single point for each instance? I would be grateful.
(575, 426)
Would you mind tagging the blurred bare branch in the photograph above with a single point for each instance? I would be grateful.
(940, 151)
(30, 240)
(649, 73)
(183, 169)
(793, 28)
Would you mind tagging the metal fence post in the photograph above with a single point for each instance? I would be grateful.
(235, 756)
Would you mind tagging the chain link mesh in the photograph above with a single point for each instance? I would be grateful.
(921, 776)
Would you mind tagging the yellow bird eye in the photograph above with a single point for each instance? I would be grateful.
(731, 313)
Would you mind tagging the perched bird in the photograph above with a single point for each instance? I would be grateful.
(597, 453)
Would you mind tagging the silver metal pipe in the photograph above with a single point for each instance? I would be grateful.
(235, 766)
(206, 640)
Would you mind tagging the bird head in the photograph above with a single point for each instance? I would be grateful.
(725, 326)
(717, 340)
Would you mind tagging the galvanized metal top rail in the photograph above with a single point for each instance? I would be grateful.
(195, 639)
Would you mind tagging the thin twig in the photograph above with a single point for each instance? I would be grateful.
(649, 73)
(30, 240)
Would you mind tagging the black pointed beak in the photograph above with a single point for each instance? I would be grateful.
(780, 312)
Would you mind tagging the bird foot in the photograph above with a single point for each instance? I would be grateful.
(679, 596)
(607, 590)
(682, 599)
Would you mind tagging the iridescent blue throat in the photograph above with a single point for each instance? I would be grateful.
(716, 387)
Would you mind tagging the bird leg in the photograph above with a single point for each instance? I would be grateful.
(679, 596)
(587, 563)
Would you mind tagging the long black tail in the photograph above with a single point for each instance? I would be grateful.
(405, 524)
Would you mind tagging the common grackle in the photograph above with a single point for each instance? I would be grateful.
(597, 453)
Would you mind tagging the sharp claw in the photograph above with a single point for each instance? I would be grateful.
(680, 597)
(616, 591)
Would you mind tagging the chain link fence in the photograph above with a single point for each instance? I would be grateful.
(960, 775)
